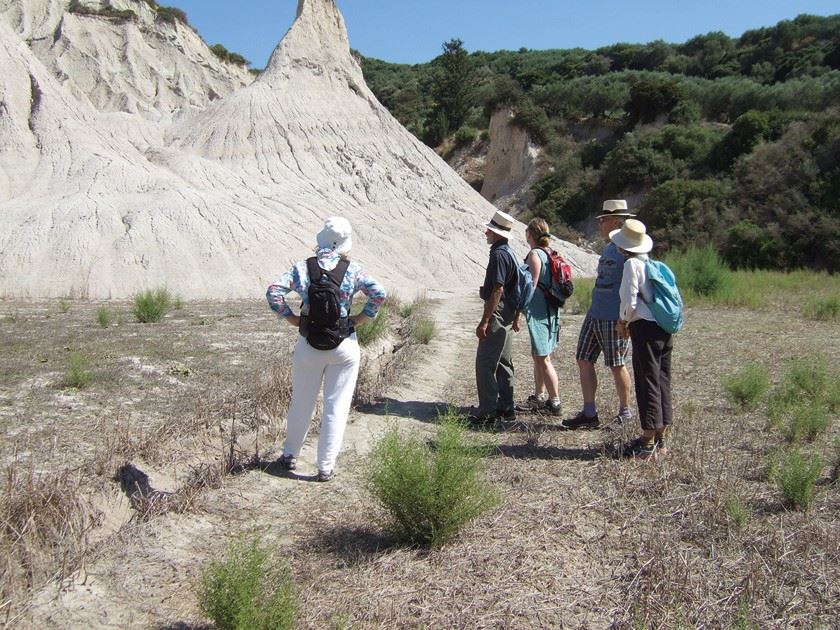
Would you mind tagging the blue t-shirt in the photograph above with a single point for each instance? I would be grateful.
(605, 299)
(501, 269)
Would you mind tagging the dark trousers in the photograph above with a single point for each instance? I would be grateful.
(652, 348)
(494, 365)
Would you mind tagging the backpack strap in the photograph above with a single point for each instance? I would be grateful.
(336, 275)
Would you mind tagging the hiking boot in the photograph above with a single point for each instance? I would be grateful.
(481, 422)
(640, 449)
(323, 475)
(532, 403)
(581, 421)
(287, 462)
(553, 409)
(508, 415)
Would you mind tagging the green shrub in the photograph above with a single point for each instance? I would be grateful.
(373, 329)
(63, 306)
(78, 371)
(104, 317)
(244, 591)
(170, 15)
(798, 477)
(581, 299)
(745, 388)
(405, 309)
(806, 421)
(424, 331)
(822, 309)
(465, 135)
(429, 492)
(700, 271)
(738, 512)
(152, 305)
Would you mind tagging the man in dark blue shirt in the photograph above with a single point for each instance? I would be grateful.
(494, 356)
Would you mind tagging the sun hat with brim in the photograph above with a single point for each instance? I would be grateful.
(632, 237)
(336, 235)
(501, 224)
(615, 208)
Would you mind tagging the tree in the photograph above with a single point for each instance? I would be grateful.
(452, 91)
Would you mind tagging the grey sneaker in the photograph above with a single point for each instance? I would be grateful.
(532, 403)
(323, 475)
(287, 462)
(553, 409)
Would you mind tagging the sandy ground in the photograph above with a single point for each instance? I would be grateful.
(572, 537)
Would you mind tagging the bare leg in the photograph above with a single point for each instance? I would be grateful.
(548, 375)
(589, 380)
(622, 384)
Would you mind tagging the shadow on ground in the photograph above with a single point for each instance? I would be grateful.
(353, 544)
(416, 409)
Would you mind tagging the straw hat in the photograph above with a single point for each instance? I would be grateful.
(632, 237)
(501, 224)
(615, 208)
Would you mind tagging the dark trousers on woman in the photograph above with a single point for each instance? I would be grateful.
(652, 348)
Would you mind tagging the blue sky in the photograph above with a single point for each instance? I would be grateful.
(412, 31)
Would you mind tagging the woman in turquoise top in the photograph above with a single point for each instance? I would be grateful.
(543, 322)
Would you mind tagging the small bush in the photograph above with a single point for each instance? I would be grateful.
(581, 299)
(405, 309)
(170, 15)
(243, 591)
(825, 309)
(806, 422)
(424, 331)
(738, 512)
(152, 305)
(745, 388)
(429, 493)
(63, 306)
(104, 317)
(78, 372)
(797, 479)
(700, 271)
(373, 329)
(464, 136)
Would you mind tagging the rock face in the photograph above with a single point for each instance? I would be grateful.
(510, 168)
(130, 158)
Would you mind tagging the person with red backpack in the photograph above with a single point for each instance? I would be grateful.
(543, 320)
(327, 350)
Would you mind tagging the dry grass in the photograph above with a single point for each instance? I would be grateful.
(580, 540)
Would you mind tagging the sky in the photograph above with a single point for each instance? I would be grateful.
(413, 31)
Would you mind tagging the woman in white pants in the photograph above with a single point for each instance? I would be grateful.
(337, 368)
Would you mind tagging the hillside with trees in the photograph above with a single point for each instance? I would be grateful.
(733, 141)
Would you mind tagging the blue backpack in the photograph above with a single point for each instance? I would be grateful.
(522, 292)
(666, 305)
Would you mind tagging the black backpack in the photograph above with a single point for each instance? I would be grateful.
(323, 326)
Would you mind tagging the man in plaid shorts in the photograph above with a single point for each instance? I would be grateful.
(598, 332)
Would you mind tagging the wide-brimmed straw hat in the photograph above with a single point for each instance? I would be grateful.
(615, 208)
(337, 234)
(501, 224)
(632, 237)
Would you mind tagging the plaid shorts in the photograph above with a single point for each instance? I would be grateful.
(597, 335)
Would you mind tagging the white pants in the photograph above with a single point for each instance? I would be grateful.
(338, 369)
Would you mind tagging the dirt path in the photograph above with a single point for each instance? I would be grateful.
(144, 577)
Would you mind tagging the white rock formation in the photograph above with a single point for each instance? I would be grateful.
(510, 167)
(110, 184)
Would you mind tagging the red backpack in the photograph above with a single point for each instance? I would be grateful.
(560, 272)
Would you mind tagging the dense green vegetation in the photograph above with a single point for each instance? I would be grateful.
(728, 141)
